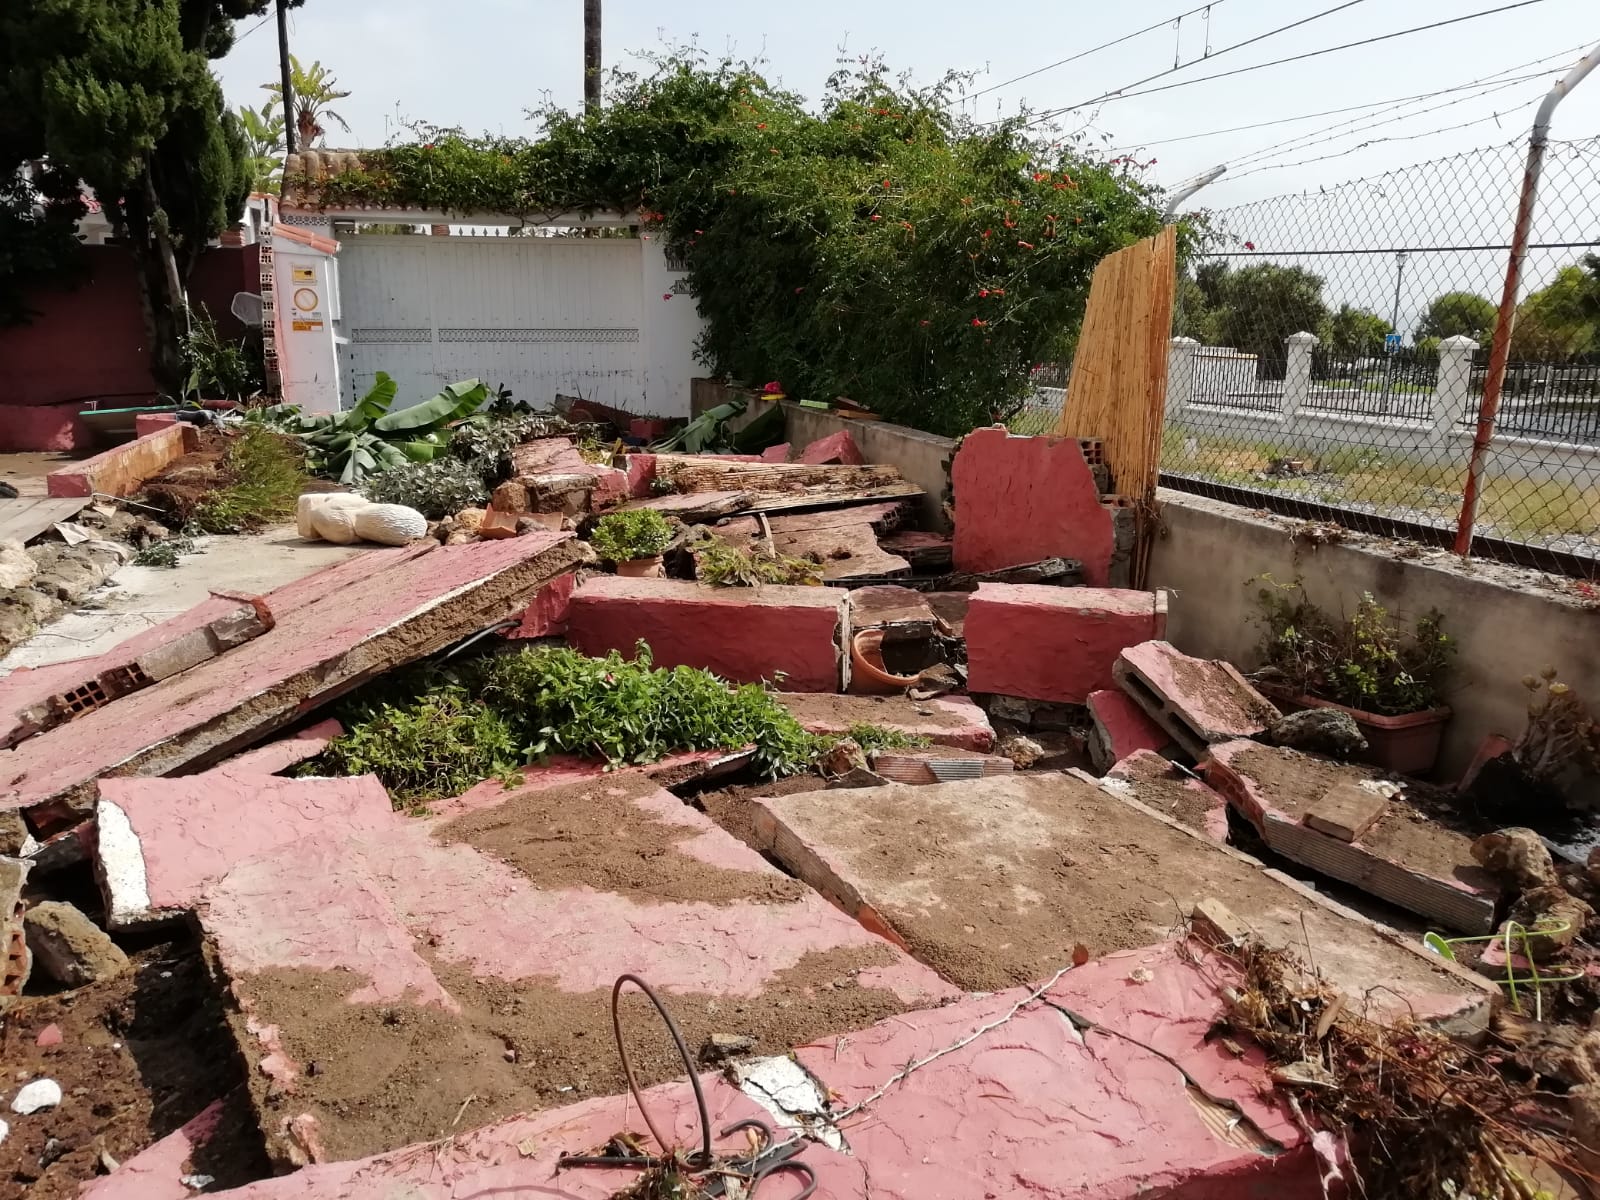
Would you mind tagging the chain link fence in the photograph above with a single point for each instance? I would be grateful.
(1330, 350)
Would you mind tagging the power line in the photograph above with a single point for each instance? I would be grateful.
(1127, 37)
(252, 29)
(1123, 94)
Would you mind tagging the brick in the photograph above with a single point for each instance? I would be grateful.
(16, 961)
(1022, 499)
(1198, 701)
(1119, 727)
(1345, 811)
(837, 447)
(742, 634)
(157, 1172)
(120, 470)
(1054, 644)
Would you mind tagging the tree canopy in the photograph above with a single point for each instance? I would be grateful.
(1254, 309)
(1458, 314)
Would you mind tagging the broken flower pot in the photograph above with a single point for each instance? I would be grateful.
(1407, 744)
(641, 568)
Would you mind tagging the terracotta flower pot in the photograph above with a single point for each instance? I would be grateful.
(1407, 744)
(641, 568)
(868, 675)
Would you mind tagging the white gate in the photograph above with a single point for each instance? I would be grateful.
(540, 315)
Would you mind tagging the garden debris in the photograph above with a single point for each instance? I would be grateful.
(1197, 701)
(36, 1097)
(947, 721)
(1330, 731)
(835, 448)
(1552, 918)
(840, 543)
(1023, 751)
(70, 948)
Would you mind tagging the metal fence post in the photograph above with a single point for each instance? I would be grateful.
(1180, 375)
(1454, 384)
(1297, 372)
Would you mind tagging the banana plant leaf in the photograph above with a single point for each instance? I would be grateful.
(374, 405)
(707, 433)
(458, 400)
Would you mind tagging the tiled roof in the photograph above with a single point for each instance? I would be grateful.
(301, 171)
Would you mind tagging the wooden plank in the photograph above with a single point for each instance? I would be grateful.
(698, 508)
(697, 473)
(768, 502)
(1345, 811)
(882, 518)
(23, 520)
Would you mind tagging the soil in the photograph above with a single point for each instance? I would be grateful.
(383, 1076)
(1220, 696)
(1168, 791)
(731, 807)
(179, 487)
(590, 834)
(140, 1055)
(822, 710)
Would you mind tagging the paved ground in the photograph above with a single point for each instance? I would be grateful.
(139, 597)
(26, 470)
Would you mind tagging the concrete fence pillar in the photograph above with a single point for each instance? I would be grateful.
(1297, 372)
(1180, 375)
(1452, 390)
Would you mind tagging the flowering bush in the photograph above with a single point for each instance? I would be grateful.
(882, 248)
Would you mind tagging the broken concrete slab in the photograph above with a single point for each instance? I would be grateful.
(1198, 701)
(161, 842)
(742, 634)
(158, 1171)
(937, 764)
(1021, 499)
(335, 629)
(840, 541)
(926, 552)
(546, 616)
(1173, 791)
(901, 613)
(698, 508)
(1346, 811)
(276, 757)
(16, 960)
(1055, 644)
(1404, 857)
(477, 951)
(994, 881)
(1118, 728)
(946, 721)
(120, 470)
(837, 447)
(70, 948)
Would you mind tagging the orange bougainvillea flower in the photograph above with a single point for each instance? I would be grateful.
(983, 291)
(977, 321)
(1010, 224)
(987, 232)
(1025, 245)
(1249, 245)
(999, 291)
(877, 217)
(885, 183)
(761, 124)
(1040, 176)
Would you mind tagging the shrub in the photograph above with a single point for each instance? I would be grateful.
(722, 565)
(436, 489)
(1364, 660)
(264, 474)
(634, 533)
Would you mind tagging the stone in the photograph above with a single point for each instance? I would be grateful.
(511, 496)
(1011, 708)
(1023, 751)
(36, 1097)
(468, 519)
(1553, 917)
(13, 834)
(1592, 867)
(16, 960)
(49, 1036)
(1517, 855)
(17, 569)
(842, 757)
(1329, 731)
(70, 948)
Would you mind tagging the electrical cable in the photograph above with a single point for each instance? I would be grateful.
(1123, 94)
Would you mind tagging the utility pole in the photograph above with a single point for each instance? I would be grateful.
(283, 67)
(1399, 278)
(591, 54)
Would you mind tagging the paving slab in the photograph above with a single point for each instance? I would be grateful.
(1119, 727)
(994, 881)
(158, 1171)
(789, 635)
(1198, 701)
(473, 953)
(944, 721)
(1157, 783)
(1032, 1107)
(937, 764)
(1056, 644)
(333, 631)
(1404, 857)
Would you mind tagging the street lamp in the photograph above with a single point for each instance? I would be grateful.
(1399, 277)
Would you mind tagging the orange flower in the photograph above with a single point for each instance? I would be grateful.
(983, 291)
(978, 322)
(1025, 245)
(877, 217)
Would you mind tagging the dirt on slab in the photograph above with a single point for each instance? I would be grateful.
(591, 834)
(139, 1055)
(732, 807)
(1167, 790)
(381, 1076)
(1219, 692)
(823, 710)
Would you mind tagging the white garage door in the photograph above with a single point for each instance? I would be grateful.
(541, 316)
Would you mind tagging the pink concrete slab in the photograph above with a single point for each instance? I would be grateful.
(162, 841)
(560, 769)
(547, 615)
(1022, 499)
(1404, 857)
(279, 756)
(157, 1171)
(1198, 701)
(334, 629)
(1051, 643)
(1039, 1108)
(611, 486)
(548, 456)
(120, 470)
(837, 447)
(776, 454)
(1120, 728)
(742, 634)
(641, 473)
(945, 721)
(1156, 783)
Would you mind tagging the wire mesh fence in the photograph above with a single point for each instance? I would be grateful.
(1330, 350)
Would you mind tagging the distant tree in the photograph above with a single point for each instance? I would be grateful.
(1260, 306)
(1559, 320)
(1459, 314)
(315, 89)
(1355, 333)
(263, 137)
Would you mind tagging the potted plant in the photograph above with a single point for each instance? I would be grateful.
(1389, 680)
(1544, 777)
(634, 540)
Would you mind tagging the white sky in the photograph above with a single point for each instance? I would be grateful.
(479, 63)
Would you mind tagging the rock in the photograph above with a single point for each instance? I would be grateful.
(1318, 731)
(13, 834)
(1023, 751)
(390, 524)
(1011, 708)
(720, 1047)
(16, 962)
(844, 756)
(49, 1036)
(858, 777)
(1059, 718)
(36, 1096)
(1553, 907)
(1592, 867)
(1583, 1105)
(511, 497)
(1518, 855)
(1581, 1065)
(17, 569)
(69, 947)
(468, 519)
(4, 1129)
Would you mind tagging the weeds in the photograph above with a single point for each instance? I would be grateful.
(872, 738)
(722, 565)
(165, 553)
(265, 474)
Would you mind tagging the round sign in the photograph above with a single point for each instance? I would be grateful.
(305, 299)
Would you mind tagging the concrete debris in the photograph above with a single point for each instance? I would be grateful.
(17, 568)
(14, 835)
(1329, 731)
(842, 757)
(835, 448)
(1023, 751)
(70, 948)
(16, 960)
(946, 721)
(36, 1097)
(1345, 811)
(1197, 701)
(1119, 728)
(936, 764)
(1519, 856)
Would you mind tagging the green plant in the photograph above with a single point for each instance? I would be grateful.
(1364, 660)
(1561, 737)
(486, 438)
(876, 737)
(263, 136)
(216, 368)
(630, 534)
(312, 89)
(706, 434)
(374, 436)
(265, 474)
(166, 552)
(436, 489)
(722, 565)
